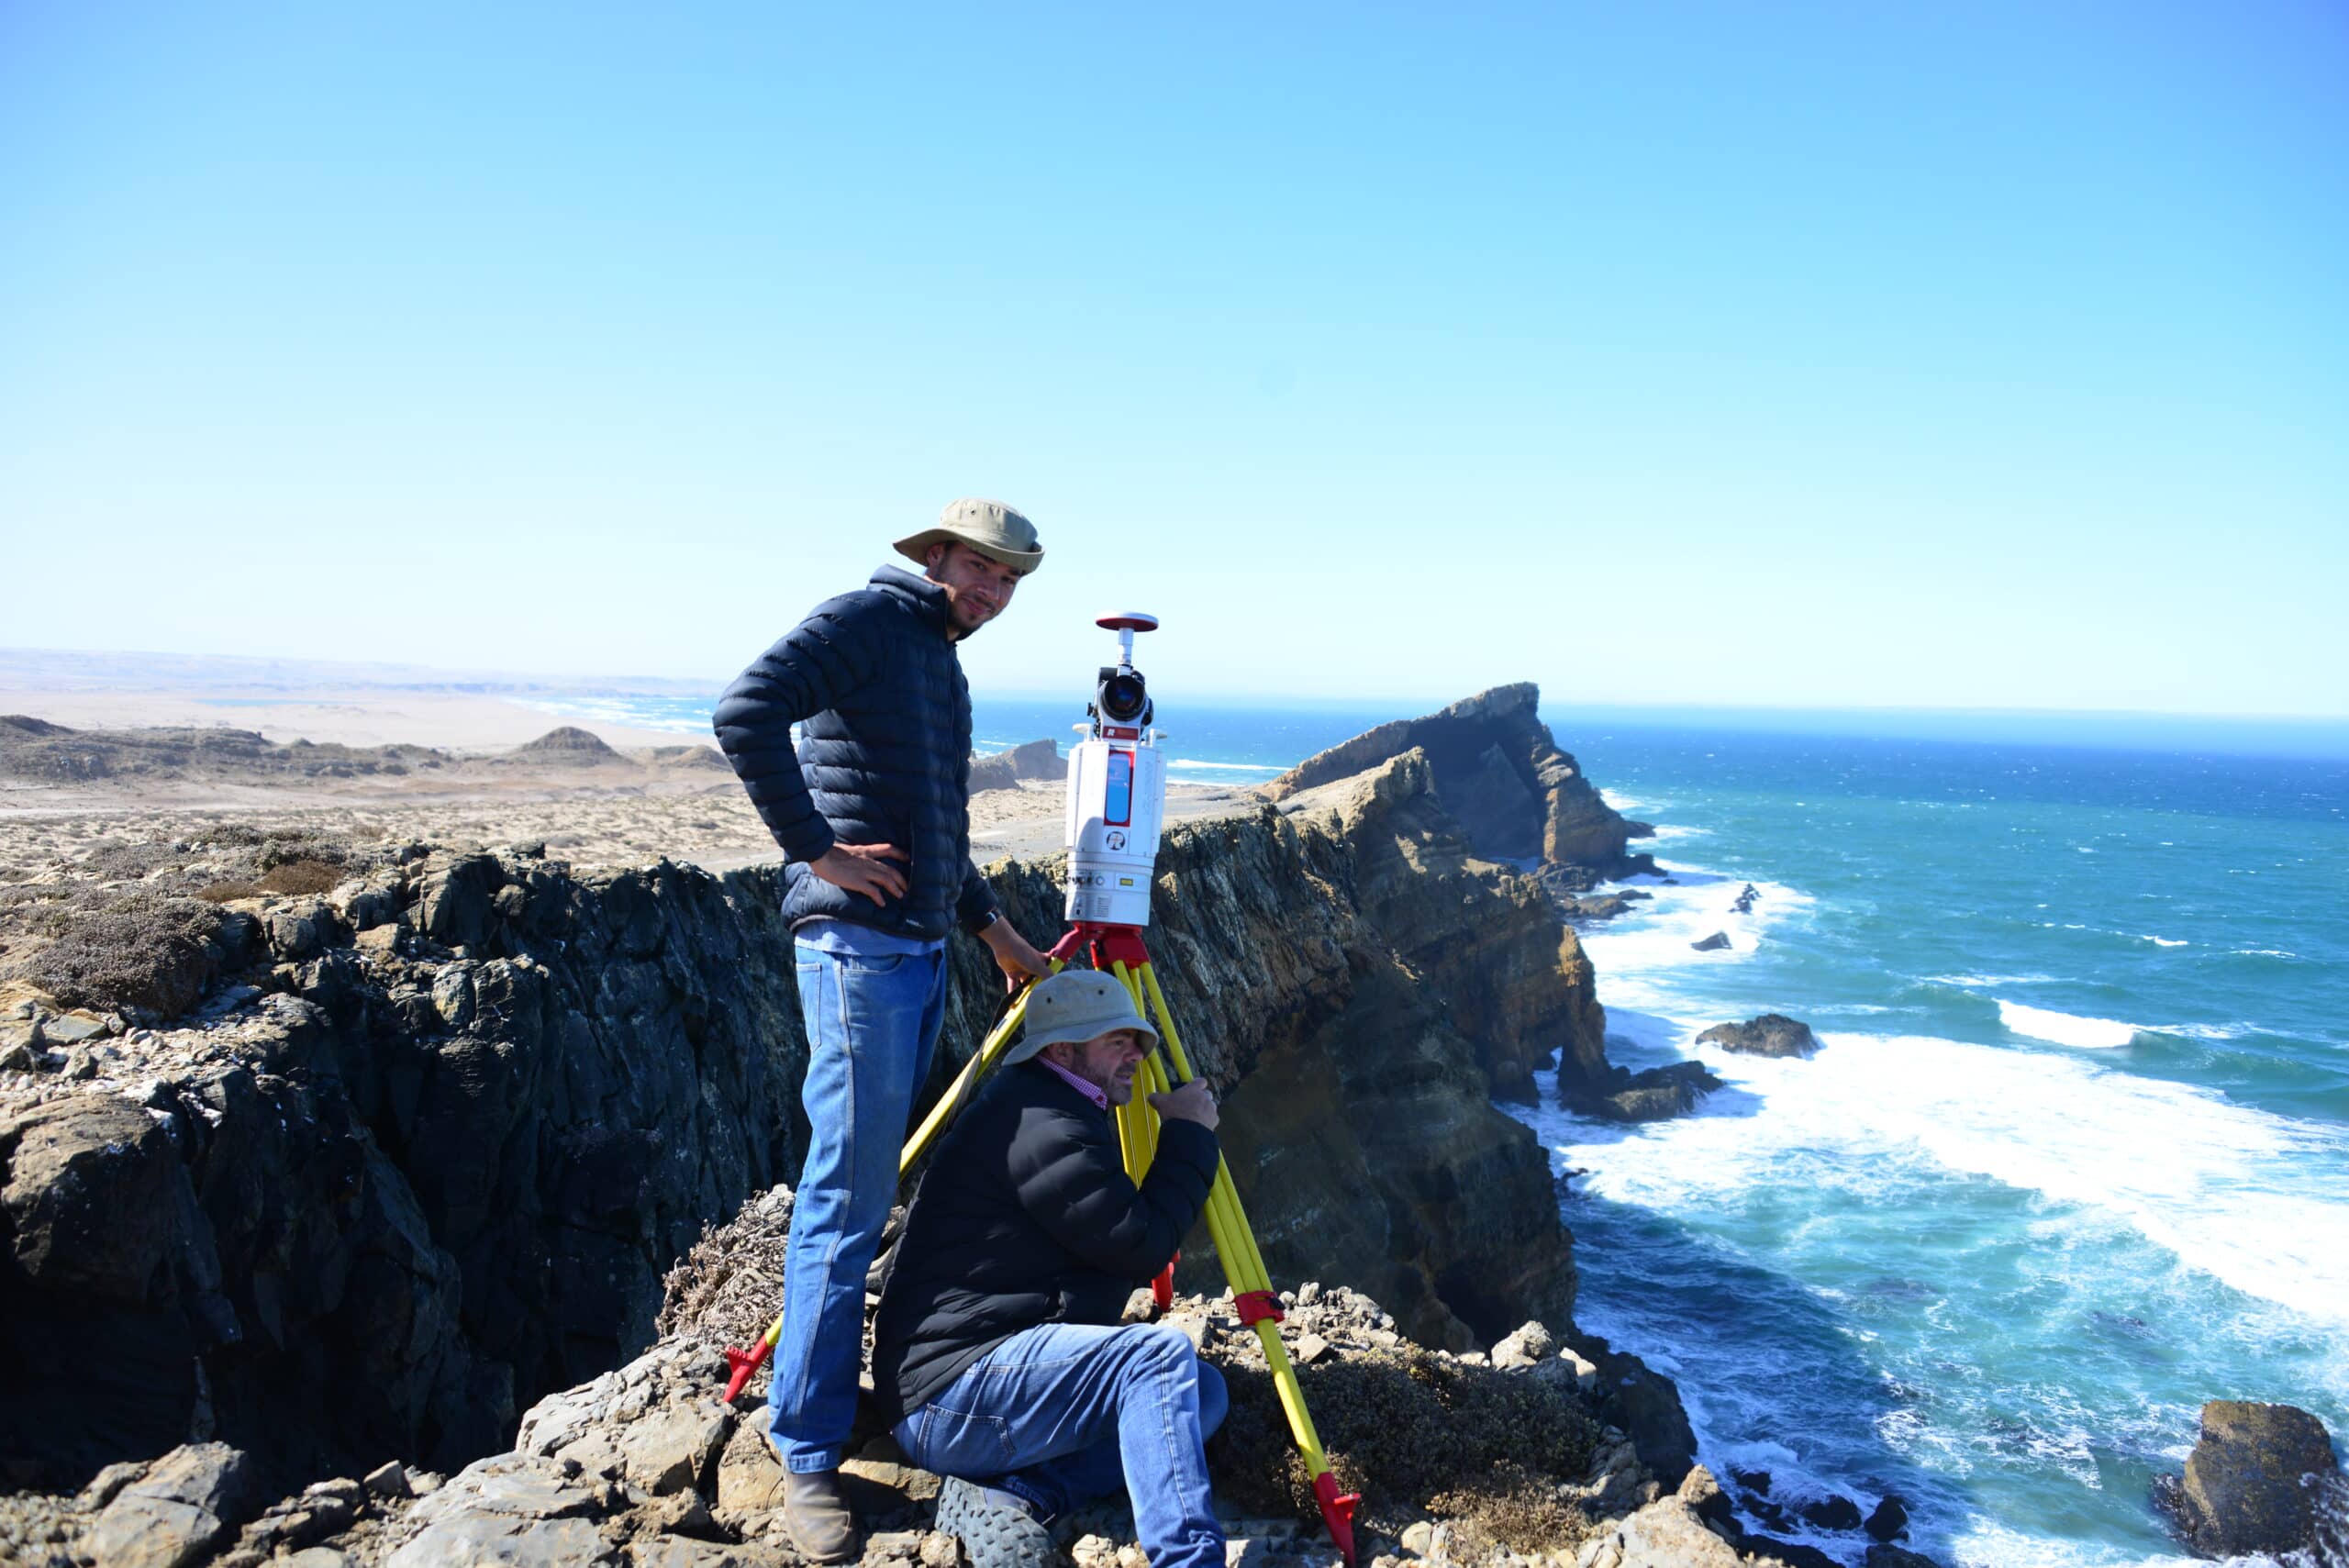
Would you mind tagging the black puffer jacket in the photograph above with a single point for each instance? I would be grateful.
(873, 681)
(1027, 1217)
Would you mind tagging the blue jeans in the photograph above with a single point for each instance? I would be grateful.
(872, 1017)
(1065, 1412)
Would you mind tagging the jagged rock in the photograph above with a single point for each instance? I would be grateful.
(1713, 944)
(1745, 900)
(72, 1029)
(98, 1202)
(669, 1450)
(2250, 1483)
(1833, 1511)
(474, 1539)
(1513, 976)
(750, 1476)
(1036, 760)
(1785, 1553)
(174, 1514)
(1889, 1520)
(1645, 1405)
(1652, 1094)
(1769, 1034)
(1502, 775)
(1525, 1347)
(388, 1479)
(1883, 1555)
(1705, 1499)
(1664, 1534)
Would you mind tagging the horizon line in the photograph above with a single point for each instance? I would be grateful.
(589, 683)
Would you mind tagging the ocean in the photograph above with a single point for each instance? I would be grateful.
(2074, 1157)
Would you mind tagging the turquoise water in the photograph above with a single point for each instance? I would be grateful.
(2073, 1159)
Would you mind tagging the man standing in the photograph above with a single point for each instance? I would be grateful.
(999, 1351)
(871, 809)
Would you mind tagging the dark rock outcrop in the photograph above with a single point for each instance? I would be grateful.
(1645, 1405)
(1769, 1034)
(1655, 1094)
(1514, 979)
(1501, 775)
(2253, 1482)
(1039, 760)
(1714, 943)
(426, 1151)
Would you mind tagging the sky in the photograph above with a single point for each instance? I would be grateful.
(1984, 356)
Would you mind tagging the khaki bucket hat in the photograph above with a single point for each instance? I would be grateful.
(994, 530)
(1076, 1004)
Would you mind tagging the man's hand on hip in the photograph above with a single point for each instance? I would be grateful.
(863, 868)
(1190, 1103)
(1012, 953)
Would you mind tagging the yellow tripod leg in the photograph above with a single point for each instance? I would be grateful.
(958, 1093)
(745, 1363)
(1243, 1265)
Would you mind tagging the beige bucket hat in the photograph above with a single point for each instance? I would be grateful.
(1076, 1004)
(994, 530)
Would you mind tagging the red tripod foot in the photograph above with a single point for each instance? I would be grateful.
(1336, 1512)
(744, 1363)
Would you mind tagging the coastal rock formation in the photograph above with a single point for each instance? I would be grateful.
(1769, 1034)
(415, 1149)
(1039, 760)
(1457, 1460)
(1515, 979)
(1717, 942)
(1502, 776)
(1655, 1094)
(2254, 1481)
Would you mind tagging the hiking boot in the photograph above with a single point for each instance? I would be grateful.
(996, 1528)
(815, 1510)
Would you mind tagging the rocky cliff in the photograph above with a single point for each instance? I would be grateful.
(421, 1144)
(1502, 776)
(1507, 1459)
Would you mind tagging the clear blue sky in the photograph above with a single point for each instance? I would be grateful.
(1987, 355)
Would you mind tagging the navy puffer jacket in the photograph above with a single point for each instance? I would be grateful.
(1026, 1217)
(873, 681)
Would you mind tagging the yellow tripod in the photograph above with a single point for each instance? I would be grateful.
(1119, 949)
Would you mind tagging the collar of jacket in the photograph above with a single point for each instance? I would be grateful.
(927, 599)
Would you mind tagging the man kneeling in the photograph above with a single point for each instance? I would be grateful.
(998, 1349)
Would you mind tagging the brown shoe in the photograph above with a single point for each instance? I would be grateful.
(815, 1510)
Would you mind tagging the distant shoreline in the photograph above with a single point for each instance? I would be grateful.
(219, 689)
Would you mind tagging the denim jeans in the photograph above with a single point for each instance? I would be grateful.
(872, 1017)
(1065, 1412)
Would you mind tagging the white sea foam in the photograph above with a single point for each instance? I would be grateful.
(2065, 1028)
(2209, 1032)
(1987, 1540)
(2253, 1200)
(2163, 942)
(1636, 951)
